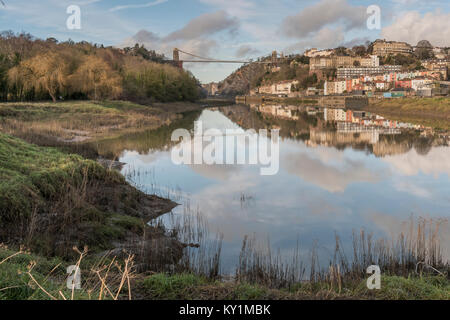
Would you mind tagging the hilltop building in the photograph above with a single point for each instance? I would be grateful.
(384, 48)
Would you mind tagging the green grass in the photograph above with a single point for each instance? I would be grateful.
(414, 288)
(191, 287)
(31, 175)
(178, 286)
(430, 112)
(16, 284)
(86, 203)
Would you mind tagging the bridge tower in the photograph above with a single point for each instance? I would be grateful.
(274, 58)
(176, 58)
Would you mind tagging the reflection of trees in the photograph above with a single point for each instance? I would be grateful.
(423, 145)
(142, 142)
(249, 118)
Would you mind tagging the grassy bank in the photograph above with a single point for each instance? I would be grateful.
(186, 286)
(51, 201)
(26, 276)
(430, 112)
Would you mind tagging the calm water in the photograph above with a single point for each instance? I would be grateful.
(339, 172)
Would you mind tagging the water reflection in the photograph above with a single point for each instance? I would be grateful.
(339, 171)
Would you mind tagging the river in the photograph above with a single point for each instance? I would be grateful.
(339, 172)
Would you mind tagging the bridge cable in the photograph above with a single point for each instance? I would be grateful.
(193, 55)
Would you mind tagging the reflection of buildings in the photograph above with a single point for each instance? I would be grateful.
(287, 112)
(372, 131)
(333, 138)
(336, 127)
(365, 119)
(361, 125)
(334, 114)
(350, 134)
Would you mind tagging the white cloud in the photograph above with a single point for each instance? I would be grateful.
(245, 51)
(323, 39)
(195, 37)
(206, 24)
(136, 6)
(237, 8)
(323, 13)
(412, 27)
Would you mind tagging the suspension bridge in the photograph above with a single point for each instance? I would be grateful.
(193, 58)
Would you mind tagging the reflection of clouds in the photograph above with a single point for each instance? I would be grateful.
(323, 208)
(217, 172)
(436, 162)
(327, 176)
(415, 190)
(328, 155)
(130, 156)
(289, 204)
(216, 120)
(222, 208)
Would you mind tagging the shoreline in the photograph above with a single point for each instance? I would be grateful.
(429, 112)
(107, 212)
(114, 215)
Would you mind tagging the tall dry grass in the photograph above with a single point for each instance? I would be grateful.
(415, 251)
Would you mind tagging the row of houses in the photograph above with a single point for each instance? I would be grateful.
(280, 88)
(352, 72)
(415, 81)
(334, 62)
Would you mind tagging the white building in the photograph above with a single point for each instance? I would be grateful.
(418, 84)
(283, 87)
(335, 87)
(381, 85)
(372, 61)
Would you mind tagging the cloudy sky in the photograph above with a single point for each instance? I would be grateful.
(230, 29)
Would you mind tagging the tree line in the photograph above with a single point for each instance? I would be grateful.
(33, 69)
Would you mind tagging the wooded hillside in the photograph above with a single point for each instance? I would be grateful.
(32, 69)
